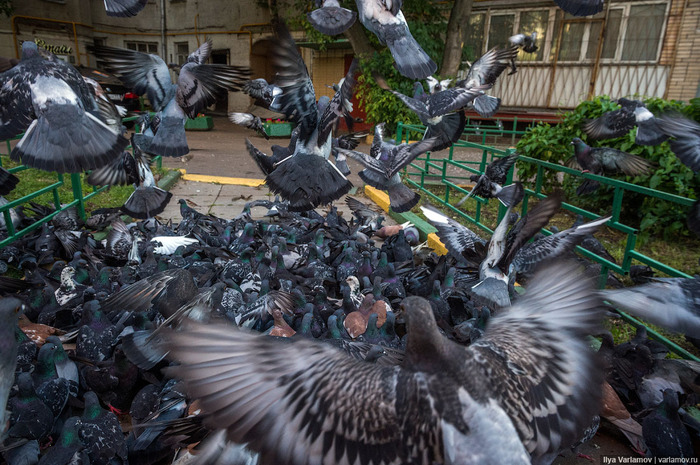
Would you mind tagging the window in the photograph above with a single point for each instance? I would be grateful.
(182, 50)
(145, 47)
(500, 29)
(474, 38)
(643, 33)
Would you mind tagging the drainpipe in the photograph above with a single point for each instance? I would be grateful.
(162, 30)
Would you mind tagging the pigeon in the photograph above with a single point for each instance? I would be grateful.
(488, 185)
(248, 121)
(51, 103)
(461, 243)
(664, 432)
(124, 8)
(617, 123)
(581, 7)
(111, 114)
(8, 181)
(685, 142)
(484, 72)
(147, 200)
(602, 160)
(306, 177)
(383, 165)
(265, 95)
(9, 310)
(198, 86)
(433, 110)
(436, 86)
(330, 18)
(348, 142)
(526, 388)
(526, 42)
(673, 303)
(387, 22)
(267, 163)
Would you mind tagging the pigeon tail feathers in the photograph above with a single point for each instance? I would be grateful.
(146, 202)
(332, 20)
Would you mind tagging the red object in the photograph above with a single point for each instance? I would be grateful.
(130, 95)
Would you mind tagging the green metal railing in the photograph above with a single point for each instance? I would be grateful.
(453, 175)
(79, 197)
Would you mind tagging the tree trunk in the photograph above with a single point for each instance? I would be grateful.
(452, 56)
(358, 40)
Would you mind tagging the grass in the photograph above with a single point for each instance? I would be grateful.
(31, 180)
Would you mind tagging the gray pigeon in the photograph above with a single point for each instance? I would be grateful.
(685, 142)
(124, 8)
(673, 303)
(50, 102)
(383, 164)
(248, 121)
(330, 18)
(528, 387)
(386, 21)
(199, 85)
(9, 310)
(485, 71)
(581, 7)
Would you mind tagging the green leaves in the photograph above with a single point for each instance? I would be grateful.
(651, 215)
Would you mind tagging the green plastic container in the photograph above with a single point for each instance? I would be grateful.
(202, 123)
(278, 129)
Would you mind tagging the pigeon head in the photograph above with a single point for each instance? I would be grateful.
(29, 49)
(424, 343)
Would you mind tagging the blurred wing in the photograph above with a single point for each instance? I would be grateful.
(540, 368)
(618, 161)
(489, 67)
(307, 406)
(124, 8)
(402, 155)
(453, 99)
(461, 242)
(200, 55)
(686, 142)
(610, 125)
(16, 110)
(369, 162)
(202, 85)
(141, 72)
(114, 173)
(336, 107)
(497, 171)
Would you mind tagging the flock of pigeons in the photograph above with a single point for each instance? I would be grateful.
(128, 349)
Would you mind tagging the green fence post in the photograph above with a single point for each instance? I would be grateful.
(399, 131)
(78, 194)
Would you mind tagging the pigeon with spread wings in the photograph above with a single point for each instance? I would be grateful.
(50, 102)
(525, 389)
(484, 72)
(198, 86)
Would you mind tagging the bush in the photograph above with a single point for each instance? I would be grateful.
(649, 215)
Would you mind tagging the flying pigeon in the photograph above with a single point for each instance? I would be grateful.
(581, 7)
(432, 109)
(673, 303)
(617, 123)
(148, 199)
(436, 86)
(124, 8)
(526, 388)
(685, 142)
(526, 42)
(488, 185)
(265, 95)
(602, 160)
(248, 121)
(484, 72)
(330, 18)
(198, 86)
(384, 163)
(8, 181)
(387, 22)
(52, 104)
(306, 177)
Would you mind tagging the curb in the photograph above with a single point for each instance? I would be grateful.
(221, 179)
(425, 229)
(168, 181)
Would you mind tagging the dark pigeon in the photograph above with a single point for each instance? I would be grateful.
(617, 123)
(484, 72)
(685, 142)
(50, 102)
(9, 311)
(581, 7)
(604, 160)
(8, 181)
(489, 184)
